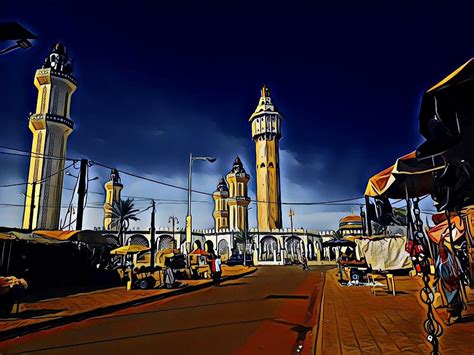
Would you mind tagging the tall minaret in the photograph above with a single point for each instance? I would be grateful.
(221, 213)
(266, 132)
(113, 189)
(238, 200)
(51, 125)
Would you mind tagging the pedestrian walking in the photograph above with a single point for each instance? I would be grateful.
(304, 261)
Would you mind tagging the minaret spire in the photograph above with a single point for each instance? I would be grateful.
(51, 125)
(266, 132)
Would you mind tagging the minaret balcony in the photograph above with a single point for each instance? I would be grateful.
(43, 74)
(40, 118)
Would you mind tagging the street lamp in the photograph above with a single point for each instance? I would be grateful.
(15, 32)
(188, 217)
(174, 221)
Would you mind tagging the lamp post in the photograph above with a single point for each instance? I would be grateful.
(174, 221)
(15, 32)
(188, 217)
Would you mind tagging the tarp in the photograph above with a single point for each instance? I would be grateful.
(384, 254)
(408, 174)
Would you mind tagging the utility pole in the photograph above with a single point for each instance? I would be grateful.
(32, 205)
(152, 237)
(81, 192)
(291, 214)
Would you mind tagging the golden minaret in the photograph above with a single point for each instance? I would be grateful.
(238, 200)
(221, 213)
(113, 189)
(51, 125)
(266, 132)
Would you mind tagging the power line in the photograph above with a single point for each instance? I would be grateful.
(27, 153)
(172, 185)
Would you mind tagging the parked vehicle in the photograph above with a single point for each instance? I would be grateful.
(238, 259)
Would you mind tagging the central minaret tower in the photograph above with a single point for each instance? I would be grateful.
(51, 125)
(266, 132)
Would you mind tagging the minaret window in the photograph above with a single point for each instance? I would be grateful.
(66, 104)
(55, 100)
(262, 165)
(43, 99)
(271, 165)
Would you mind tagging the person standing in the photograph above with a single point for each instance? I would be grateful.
(217, 270)
(304, 261)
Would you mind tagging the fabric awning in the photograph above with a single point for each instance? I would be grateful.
(408, 174)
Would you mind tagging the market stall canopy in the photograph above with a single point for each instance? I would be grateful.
(85, 236)
(447, 111)
(29, 237)
(129, 249)
(408, 174)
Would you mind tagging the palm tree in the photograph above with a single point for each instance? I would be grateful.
(123, 212)
(338, 234)
(239, 237)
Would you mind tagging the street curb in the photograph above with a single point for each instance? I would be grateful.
(53, 323)
(318, 332)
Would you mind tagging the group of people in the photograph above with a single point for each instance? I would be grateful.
(216, 268)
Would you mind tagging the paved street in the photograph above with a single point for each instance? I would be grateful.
(270, 312)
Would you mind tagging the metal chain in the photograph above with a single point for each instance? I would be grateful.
(432, 327)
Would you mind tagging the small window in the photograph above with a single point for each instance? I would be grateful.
(262, 165)
(270, 165)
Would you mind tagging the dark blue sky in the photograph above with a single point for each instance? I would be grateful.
(157, 81)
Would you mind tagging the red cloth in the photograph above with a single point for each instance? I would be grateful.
(213, 265)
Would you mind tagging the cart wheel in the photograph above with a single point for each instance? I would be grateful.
(143, 284)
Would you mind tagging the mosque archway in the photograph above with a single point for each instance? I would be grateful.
(269, 250)
(138, 239)
(294, 249)
(223, 249)
(166, 242)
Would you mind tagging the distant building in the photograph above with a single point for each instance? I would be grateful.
(51, 125)
(351, 224)
(113, 189)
